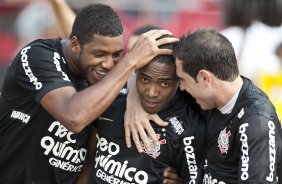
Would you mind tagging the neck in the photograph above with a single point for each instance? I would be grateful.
(69, 56)
(227, 90)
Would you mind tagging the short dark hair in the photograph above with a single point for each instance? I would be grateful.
(97, 19)
(165, 59)
(143, 29)
(207, 49)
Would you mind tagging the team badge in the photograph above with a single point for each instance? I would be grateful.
(155, 149)
(223, 141)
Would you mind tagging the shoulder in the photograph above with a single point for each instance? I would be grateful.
(43, 54)
(255, 113)
(254, 101)
(258, 107)
(257, 123)
(48, 44)
(39, 50)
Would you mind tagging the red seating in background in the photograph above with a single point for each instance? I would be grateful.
(8, 46)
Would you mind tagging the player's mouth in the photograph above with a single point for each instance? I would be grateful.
(98, 74)
(150, 104)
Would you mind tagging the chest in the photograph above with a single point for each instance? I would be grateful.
(222, 140)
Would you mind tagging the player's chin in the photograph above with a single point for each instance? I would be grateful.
(92, 81)
(151, 110)
(206, 107)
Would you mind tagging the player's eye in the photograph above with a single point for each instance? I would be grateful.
(144, 79)
(165, 84)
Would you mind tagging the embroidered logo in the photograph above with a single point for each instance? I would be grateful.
(223, 141)
(23, 117)
(177, 125)
(155, 148)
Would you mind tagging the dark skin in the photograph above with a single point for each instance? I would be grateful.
(156, 85)
(65, 16)
(68, 106)
(171, 176)
(155, 82)
(147, 44)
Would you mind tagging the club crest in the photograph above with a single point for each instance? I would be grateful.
(223, 141)
(155, 149)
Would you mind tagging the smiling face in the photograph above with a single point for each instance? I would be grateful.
(199, 89)
(156, 85)
(96, 58)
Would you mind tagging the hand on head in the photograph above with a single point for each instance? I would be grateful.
(147, 47)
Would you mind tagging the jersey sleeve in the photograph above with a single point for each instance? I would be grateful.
(260, 149)
(40, 69)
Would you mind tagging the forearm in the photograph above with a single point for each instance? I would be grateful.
(75, 110)
(83, 107)
(64, 16)
(132, 95)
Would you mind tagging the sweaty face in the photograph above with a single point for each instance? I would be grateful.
(198, 89)
(98, 57)
(156, 86)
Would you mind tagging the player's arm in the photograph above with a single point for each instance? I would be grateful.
(64, 16)
(86, 173)
(259, 141)
(75, 110)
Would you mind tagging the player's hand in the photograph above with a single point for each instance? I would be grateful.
(146, 47)
(171, 177)
(137, 121)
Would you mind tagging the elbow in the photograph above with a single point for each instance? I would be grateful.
(74, 124)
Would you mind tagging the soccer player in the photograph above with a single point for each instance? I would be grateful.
(55, 88)
(244, 136)
(181, 143)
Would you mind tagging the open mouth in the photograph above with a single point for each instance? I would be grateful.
(101, 73)
(98, 74)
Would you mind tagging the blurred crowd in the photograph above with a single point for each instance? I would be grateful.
(253, 27)
(24, 20)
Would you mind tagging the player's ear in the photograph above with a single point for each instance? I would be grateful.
(75, 45)
(205, 76)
